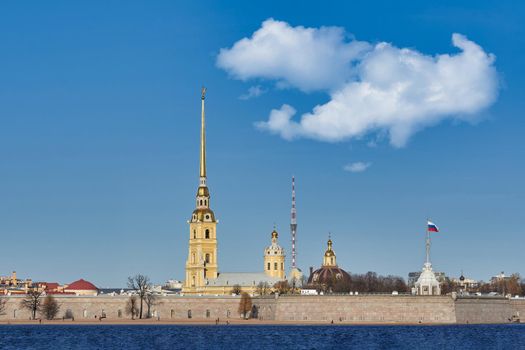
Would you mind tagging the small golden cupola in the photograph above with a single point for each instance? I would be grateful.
(329, 258)
(274, 258)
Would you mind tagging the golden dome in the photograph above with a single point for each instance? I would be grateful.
(203, 191)
(203, 214)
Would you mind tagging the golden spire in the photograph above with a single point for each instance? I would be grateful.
(203, 137)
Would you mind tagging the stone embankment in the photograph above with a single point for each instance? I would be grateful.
(362, 309)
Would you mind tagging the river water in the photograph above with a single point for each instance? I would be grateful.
(510, 336)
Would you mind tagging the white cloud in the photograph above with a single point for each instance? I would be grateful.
(253, 91)
(372, 88)
(357, 167)
(306, 58)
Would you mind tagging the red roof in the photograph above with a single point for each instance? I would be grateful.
(81, 285)
(50, 285)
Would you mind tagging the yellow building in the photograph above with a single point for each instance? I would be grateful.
(274, 258)
(202, 275)
(201, 264)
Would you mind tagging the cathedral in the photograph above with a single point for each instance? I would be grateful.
(202, 272)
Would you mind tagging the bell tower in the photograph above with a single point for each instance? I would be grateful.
(201, 264)
(274, 258)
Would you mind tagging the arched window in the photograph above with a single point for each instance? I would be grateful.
(201, 201)
(172, 313)
(193, 285)
(282, 266)
(207, 258)
(207, 234)
(119, 313)
(268, 266)
(194, 234)
(193, 258)
(275, 266)
(189, 313)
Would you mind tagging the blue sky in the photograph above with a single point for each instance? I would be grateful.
(99, 127)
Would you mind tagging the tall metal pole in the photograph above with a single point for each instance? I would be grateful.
(293, 222)
(428, 245)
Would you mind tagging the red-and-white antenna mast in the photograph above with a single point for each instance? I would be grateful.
(293, 223)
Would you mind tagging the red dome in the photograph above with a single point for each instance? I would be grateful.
(81, 285)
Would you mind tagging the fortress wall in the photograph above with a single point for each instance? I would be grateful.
(168, 307)
(366, 309)
(349, 309)
(518, 306)
(483, 310)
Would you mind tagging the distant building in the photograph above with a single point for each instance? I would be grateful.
(500, 277)
(465, 284)
(81, 287)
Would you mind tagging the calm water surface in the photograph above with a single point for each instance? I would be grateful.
(262, 337)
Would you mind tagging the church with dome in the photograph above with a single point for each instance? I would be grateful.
(203, 276)
(329, 277)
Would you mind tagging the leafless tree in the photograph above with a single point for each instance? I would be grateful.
(150, 299)
(32, 302)
(245, 305)
(3, 302)
(50, 307)
(131, 307)
(141, 285)
(263, 288)
(282, 287)
(236, 289)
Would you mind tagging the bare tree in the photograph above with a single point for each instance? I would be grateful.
(131, 307)
(263, 288)
(3, 302)
(50, 307)
(245, 305)
(236, 289)
(150, 299)
(140, 284)
(32, 302)
(282, 287)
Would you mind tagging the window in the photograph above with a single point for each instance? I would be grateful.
(268, 266)
(119, 313)
(84, 313)
(14, 313)
(282, 266)
(194, 234)
(201, 201)
(331, 260)
(207, 234)
(275, 266)
(189, 313)
(207, 313)
(193, 258)
(172, 313)
(192, 282)
(207, 258)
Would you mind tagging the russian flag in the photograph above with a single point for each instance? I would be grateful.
(431, 227)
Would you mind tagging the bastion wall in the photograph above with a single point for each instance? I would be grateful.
(348, 309)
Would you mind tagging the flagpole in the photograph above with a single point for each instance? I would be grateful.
(428, 243)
